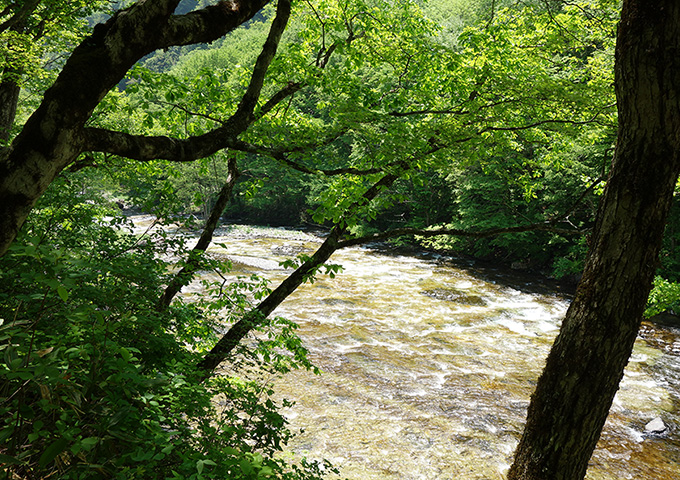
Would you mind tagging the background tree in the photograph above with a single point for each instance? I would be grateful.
(585, 366)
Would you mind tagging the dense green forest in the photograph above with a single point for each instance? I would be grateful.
(397, 120)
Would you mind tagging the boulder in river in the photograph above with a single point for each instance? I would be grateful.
(666, 319)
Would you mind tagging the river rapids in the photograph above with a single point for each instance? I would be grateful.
(428, 364)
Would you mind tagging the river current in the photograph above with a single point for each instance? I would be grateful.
(428, 364)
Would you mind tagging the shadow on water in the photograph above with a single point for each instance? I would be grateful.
(522, 279)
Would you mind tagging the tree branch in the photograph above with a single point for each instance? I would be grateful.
(459, 111)
(193, 262)
(280, 154)
(208, 24)
(290, 89)
(16, 21)
(333, 243)
(244, 114)
(141, 147)
(256, 316)
(538, 124)
(147, 148)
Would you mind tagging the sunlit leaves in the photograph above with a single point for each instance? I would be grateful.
(376, 85)
(18, 53)
(89, 366)
(34, 38)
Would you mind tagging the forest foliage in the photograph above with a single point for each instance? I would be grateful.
(485, 118)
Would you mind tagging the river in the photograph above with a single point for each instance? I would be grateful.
(429, 363)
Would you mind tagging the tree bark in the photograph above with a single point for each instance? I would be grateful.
(576, 389)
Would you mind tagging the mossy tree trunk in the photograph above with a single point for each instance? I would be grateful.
(582, 374)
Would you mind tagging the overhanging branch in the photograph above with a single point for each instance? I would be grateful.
(209, 23)
(256, 316)
(147, 148)
(282, 155)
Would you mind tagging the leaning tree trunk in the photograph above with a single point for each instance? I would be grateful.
(584, 368)
(193, 261)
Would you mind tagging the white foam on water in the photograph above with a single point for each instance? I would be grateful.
(635, 435)
(464, 284)
(442, 351)
(458, 353)
(516, 327)
(546, 327)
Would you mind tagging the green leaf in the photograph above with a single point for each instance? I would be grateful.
(125, 353)
(52, 451)
(266, 472)
(6, 459)
(246, 466)
(89, 442)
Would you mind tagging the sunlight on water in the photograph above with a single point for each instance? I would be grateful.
(428, 368)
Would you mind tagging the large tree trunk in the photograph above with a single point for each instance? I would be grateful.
(584, 368)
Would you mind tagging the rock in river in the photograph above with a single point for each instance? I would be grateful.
(454, 295)
(656, 427)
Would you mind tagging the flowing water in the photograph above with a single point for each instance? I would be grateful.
(428, 366)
